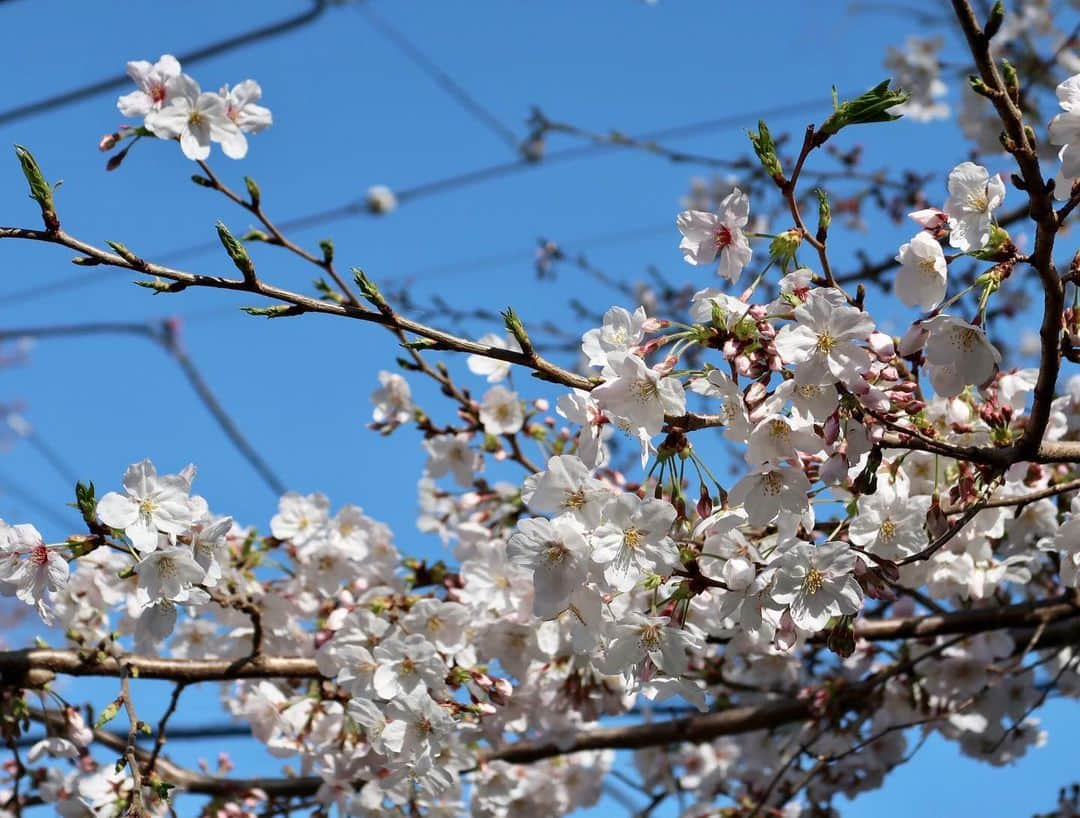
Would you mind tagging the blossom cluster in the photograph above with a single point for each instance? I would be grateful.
(173, 106)
(621, 570)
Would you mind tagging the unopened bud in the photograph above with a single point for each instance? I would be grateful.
(380, 200)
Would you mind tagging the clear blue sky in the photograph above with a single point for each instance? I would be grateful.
(350, 112)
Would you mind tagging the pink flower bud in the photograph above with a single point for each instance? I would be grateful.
(755, 394)
(913, 340)
(929, 218)
(882, 345)
(832, 428)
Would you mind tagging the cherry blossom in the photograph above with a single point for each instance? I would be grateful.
(973, 197)
(958, 354)
(196, 118)
(1065, 127)
(501, 411)
(707, 236)
(392, 400)
(817, 582)
(639, 394)
(921, 280)
(153, 81)
(633, 540)
(822, 342)
(151, 506)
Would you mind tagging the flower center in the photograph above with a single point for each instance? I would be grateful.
(771, 483)
(965, 337)
(632, 537)
(649, 638)
(157, 93)
(779, 431)
(166, 566)
(887, 530)
(147, 507)
(813, 581)
(40, 555)
(825, 343)
(978, 201)
(574, 499)
(645, 390)
(555, 553)
(722, 237)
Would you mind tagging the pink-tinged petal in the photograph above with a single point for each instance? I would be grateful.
(137, 103)
(139, 71)
(168, 66)
(246, 93)
(139, 479)
(254, 118)
(233, 142)
(117, 511)
(58, 571)
(195, 142)
(143, 535)
(169, 122)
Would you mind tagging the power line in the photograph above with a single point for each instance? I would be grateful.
(436, 186)
(58, 463)
(43, 508)
(211, 50)
(25, 431)
(164, 337)
(497, 260)
(454, 89)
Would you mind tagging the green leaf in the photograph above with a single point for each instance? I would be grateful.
(108, 714)
(86, 502)
(277, 311)
(872, 106)
(237, 252)
(253, 191)
(765, 148)
(40, 190)
(368, 288)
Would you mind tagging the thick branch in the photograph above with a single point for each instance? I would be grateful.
(17, 665)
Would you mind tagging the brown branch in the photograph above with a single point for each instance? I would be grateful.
(1020, 143)
(159, 740)
(977, 620)
(138, 807)
(30, 667)
(544, 369)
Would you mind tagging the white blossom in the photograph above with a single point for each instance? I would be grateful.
(707, 236)
(817, 582)
(921, 280)
(973, 197)
(152, 505)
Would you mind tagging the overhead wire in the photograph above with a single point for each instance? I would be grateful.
(318, 7)
(454, 89)
(433, 187)
(167, 340)
(32, 500)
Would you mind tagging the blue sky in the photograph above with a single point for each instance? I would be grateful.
(350, 111)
